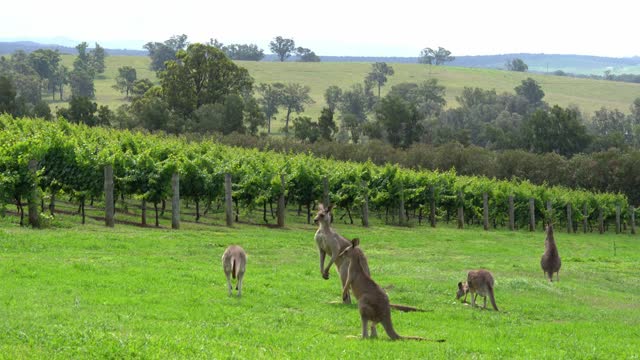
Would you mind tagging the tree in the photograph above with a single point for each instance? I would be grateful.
(140, 87)
(443, 55)
(427, 97)
(125, 80)
(305, 130)
(97, 57)
(435, 57)
(516, 65)
(81, 78)
(530, 89)
(81, 81)
(558, 130)
(45, 62)
(400, 121)
(223, 117)
(332, 97)
(81, 110)
(326, 125)
(165, 51)
(200, 75)
(151, 110)
(246, 52)
(59, 80)
(306, 55)
(378, 74)
(7, 96)
(427, 56)
(253, 115)
(354, 105)
(272, 95)
(294, 98)
(282, 47)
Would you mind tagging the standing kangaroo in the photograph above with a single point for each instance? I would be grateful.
(550, 261)
(234, 262)
(479, 282)
(373, 302)
(331, 243)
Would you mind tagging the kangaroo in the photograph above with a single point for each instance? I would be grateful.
(331, 243)
(479, 282)
(373, 302)
(234, 262)
(550, 261)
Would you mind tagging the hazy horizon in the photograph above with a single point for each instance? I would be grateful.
(338, 28)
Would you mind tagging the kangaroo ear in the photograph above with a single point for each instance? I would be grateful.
(330, 207)
(320, 207)
(355, 242)
(460, 285)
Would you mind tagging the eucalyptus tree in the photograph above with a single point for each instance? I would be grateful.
(379, 73)
(282, 47)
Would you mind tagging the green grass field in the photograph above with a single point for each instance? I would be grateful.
(588, 95)
(74, 291)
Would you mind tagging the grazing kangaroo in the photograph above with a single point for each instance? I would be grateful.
(331, 243)
(550, 261)
(373, 302)
(234, 262)
(479, 282)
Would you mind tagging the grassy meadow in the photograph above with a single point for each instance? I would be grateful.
(74, 291)
(589, 95)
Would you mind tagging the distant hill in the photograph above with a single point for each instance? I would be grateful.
(540, 63)
(29, 46)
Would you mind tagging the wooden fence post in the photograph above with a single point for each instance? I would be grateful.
(512, 214)
(175, 201)
(432, 206)
(228, 201)
(632, 210)
(585, 217)
(485, 210)
(281, 205)
(618, 227)
(143, 208)
(326, 201)
(569, 218)
(532, 214)
(460, 211)
(33, 196)
(401, 214)
(365, 204)
(109, 204)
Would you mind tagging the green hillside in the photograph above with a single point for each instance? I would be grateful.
(589, 95)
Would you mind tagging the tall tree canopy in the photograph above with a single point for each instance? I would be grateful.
(201, 74)
(516, 65)
(282, 47)
(379, 73)
(161, 52)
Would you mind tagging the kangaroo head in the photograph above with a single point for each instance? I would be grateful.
(323, 215)
(463, 288)
(350, 250)
(549, 228)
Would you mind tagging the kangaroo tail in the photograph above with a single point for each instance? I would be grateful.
(492, 298)
(388, 328)
(418, 338)
(406, 308)
(234, 268)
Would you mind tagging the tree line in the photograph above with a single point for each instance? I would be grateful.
(201, 90)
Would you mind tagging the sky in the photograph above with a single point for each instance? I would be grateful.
(339, 27)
